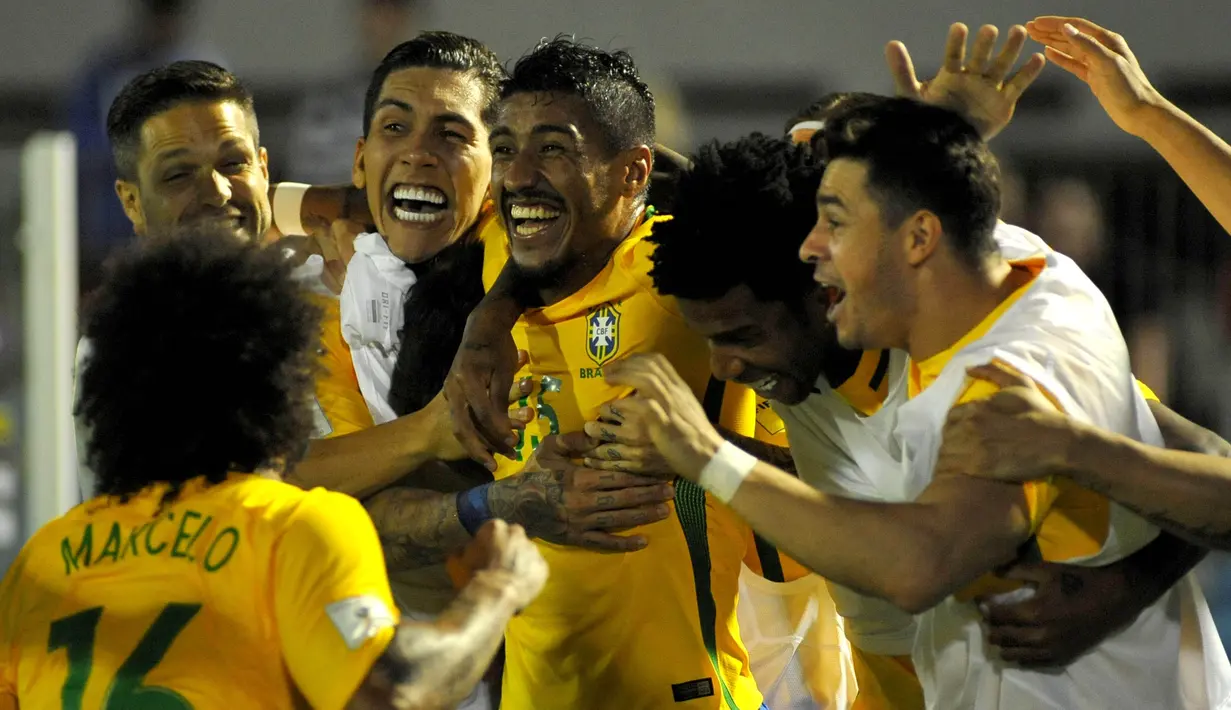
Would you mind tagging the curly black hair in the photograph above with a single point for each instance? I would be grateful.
(740, 215)
(202, 363)
(438, 49)
(618, 100)
(922, 157)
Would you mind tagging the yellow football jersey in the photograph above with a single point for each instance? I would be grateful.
(250, 593)
(649, 629)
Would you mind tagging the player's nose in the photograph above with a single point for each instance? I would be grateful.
(816, 245)
(725, 365)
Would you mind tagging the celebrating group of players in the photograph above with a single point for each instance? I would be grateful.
(535, 379)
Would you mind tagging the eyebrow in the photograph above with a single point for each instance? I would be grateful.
(823, 199)
(394, 103)
(175, 153)
(446, 117)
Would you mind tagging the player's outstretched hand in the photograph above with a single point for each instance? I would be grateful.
(475, 387)
(665, 408)
(1071, 610)
(560, 501)
(978, 86)
(626, 444)
(1102, 59)
(504, 548)
(1015, 435)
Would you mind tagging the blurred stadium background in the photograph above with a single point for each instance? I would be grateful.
(719, 68)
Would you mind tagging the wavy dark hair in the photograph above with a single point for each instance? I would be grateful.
(202, 362)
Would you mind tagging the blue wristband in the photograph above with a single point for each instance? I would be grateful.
(472, 510)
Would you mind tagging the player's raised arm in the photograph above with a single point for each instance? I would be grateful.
(1103, 60)
(1014, 436)
(924, 551)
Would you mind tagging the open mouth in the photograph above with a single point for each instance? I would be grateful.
(765, 385)
(529, 219)
(419, 204)
(835, 295)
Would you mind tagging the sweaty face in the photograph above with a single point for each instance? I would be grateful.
(769, 347)
(853, 252)
(425, 163)
(199, 165)
(554, 181)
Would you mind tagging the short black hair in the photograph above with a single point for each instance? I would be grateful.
(202, 363)
(607, 82)
(160, 89)
(739, 217)
(831, 105)
(438, 49)
(922, 157)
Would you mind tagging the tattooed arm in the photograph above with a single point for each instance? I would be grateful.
(552, 498)
(436, 664)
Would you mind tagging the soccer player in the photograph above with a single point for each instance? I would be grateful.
(188, 154)
(764, 318)
(196, 578)
(424, 166)
(571, 167)
(904, 246)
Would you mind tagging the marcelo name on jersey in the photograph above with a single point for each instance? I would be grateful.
(602, 338)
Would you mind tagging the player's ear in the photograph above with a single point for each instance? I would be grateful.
(130, 200)
(262, 157)
(921, 234)
(637, 164)
(357, 175)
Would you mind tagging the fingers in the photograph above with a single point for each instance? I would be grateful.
(611, 411)
(902, 69)
(955, 48)
(1000, 67)
(1021, 80)
(521, 388)
(1086, 47)
(1067, 63)
(492, 419)
(981, 50)
(1054, 24)
(999, 374)
(595, 480)
(1025, 613)
(625, 518)
(616, 434)
(627, 458)
(646, 498)
(572, 445)
(464, 428)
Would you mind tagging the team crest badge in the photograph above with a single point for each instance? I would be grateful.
(603, 334)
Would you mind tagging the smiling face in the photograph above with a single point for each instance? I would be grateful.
(560, 191)
(425, 163)
(198, 165)
(856, 260)
(777, 351)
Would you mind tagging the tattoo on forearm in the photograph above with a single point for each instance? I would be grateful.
(416, 527)
(1211, 534)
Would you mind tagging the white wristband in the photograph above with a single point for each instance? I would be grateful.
(725, 472)
(288, 200)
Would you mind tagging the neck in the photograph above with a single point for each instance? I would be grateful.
(584, 267)
(952, 300)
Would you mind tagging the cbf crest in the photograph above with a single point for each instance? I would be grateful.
(603, 333)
